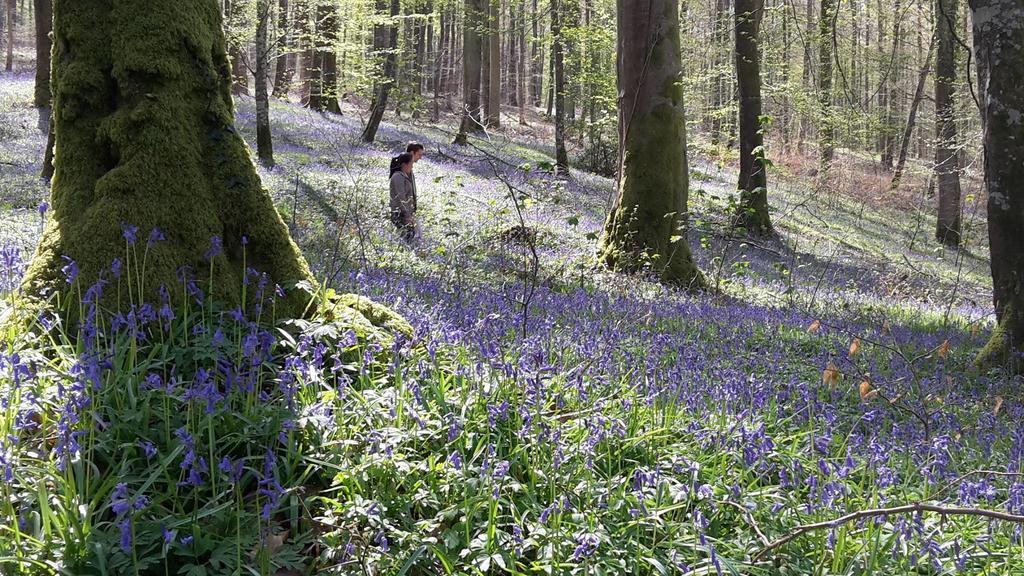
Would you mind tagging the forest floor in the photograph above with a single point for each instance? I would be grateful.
(605, 424)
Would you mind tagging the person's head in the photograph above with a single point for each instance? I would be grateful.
(416, 149)
(405, 162)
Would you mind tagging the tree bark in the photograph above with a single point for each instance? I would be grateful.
(558, 50)
(328, 57)
(947, 153)
(472, 51)
(752, 212)
(44, 23)
(645, 228)
(239, 74)
(144, 122)
(536, 60)
(999, 49)
(826, 124)
(264, 139)
(380, 97)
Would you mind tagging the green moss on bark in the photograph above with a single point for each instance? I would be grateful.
(145, 136)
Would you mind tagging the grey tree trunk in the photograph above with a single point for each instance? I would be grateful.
(752, 212)
(472, 49)
(12, 7)
(826, 123)
(494, 71)
(380, 97)
(44, 23)
(536, 59)
(645, 228)
(558, 51)
(947, 152)
(999, 49)
(264, 139)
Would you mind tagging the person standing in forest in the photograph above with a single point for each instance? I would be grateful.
(403, 196)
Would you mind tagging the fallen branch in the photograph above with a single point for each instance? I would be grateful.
(907, 508)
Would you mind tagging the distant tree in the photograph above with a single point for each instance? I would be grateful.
(999, 49)
(947, 153)
(908, 128)
(494, 71)
(44, 22)
(752, 211)
(264, 139)
(387, 79)
(558, 62)
(283, 72)
(235, 14)
(12, 13)
(645, 226)
(146, 136)
(472, 49)
(826, 123)
(327, 57)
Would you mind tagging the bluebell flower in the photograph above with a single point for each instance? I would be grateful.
(130, 232)
(125, 527)
(216, 248)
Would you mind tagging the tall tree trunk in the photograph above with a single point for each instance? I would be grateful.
(283, 72)
(472, 51)
(12, 7)
(440, 78)
(808, 84)
(309, 68)
(908, 129)
(153, 145)
(721, 93)
(891, 89)
(536, 59)
(947, 153)
(558, 49)
(523, 68)
(264, 140)
(328, 57)
(494, 48)
(485, 63)
(645, 227)
(999, 48)
(752, 212)
(380, 97)
(826, 123)
(44, 22)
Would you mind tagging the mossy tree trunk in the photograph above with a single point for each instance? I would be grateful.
(145, 136)
(390, 69)
(264, 138)
(947, 154)
(999, 47)
(752, 212)
(645, 229)
(472, 52)
(826, 124)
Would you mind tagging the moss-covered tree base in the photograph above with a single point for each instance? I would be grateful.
(1006, 345)
(145, 141)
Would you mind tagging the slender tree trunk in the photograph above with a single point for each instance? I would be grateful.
(440, 78)
(472, 52)
(536, 59)
(309, 68)
(808, 84)
(908, 129)
(891, 88)
(12, 7)
(283, 73)
(264, 139)
(148, 139)
(826, 124)
(558, 48)
(999, 48)
(752, 212)
(721, 93)
(947, 153)
(44, 22)
(380, 98)
(494, 72)
(646, 226)
(522, 66)
(485, 63)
